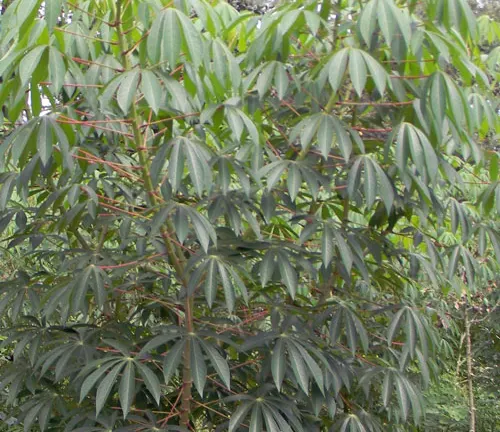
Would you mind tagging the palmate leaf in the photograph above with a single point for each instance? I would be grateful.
(299, 367)
(172, 359)
(127, 90)
(257, 412)
(312, 365)
(412, 141)
(198, 366)
(164, 40)
(150, 380)
(227, 285)
(57, 69)
(95, 376)
(218, 362)
(105, 387)
(29, 63)
(238, 416)
(159, 340)
(337, 67)
(357, 70)
(127, 387)
(278, 363)
(183, 150)
(152, 90)
(287, 272)
(81, 287)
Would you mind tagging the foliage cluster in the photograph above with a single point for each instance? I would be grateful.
(240, 222)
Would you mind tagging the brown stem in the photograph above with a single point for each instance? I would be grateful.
(470, 383)
(187, 379)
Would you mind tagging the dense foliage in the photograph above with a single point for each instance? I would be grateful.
(221, 220)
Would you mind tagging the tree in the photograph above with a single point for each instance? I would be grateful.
(238, 222)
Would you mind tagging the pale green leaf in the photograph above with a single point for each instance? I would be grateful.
(337, 67)
(29, 63)
(152, 90)
(127, 90)
(357, 70)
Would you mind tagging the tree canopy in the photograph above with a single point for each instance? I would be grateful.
(220, 220)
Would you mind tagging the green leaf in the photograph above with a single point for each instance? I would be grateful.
(267, 267)
(81, 288)
(99, 289)
(281, 80)
(312, 365)
(57, 69)
(127, 90)
(386, 19)
(150, 380)
(387, 388)
(265, 79)
(127, 387)
(52, 13)
(197, 165)
(327, 246)
(386, 188)
(172, 359)
(402, 396)
(192, 40)
(30, 417)
(210, 284)
(278, 365)
(337, 67)
(345, 252)
(198, 366)
(155, 38)
(294, 180)
(395, 324)
(357, 70)
(176, 165)
(157, 341)
(227, 285)
(325, 136)
(238, 416)
(288, 274)
(367, 21)
(203, 228)
(299, 368)
(218, 362)
(369, 183)
(378, 73)
(343, 139)
(275, 170)
(256, 419)
(271, 425)
(150, 86)
(29, 63)
(105, 387)
(171, 37)
(44, 139)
